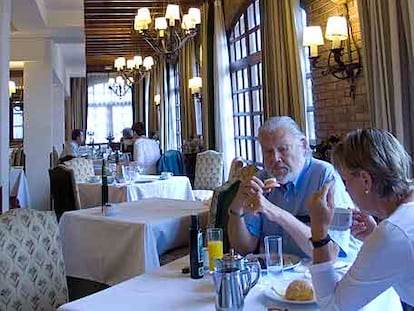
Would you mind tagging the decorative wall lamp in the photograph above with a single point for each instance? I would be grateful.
(195, 84)
(168, 35)
(12, 88)
(343, 62)
(157, 99)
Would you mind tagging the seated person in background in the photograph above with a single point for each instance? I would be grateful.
(376, 169)
(127, 140)
(258, 211)
(138, 129)
(146, 151)
(72, 147)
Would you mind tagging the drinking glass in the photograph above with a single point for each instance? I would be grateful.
(274, 255)
(126, 172)
(214, 245)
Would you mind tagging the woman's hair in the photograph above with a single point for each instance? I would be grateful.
(139, 128)
(380, 154)
(76, 133)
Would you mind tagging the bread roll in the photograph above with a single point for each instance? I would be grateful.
(299, 290)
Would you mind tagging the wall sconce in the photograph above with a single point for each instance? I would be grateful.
(12, 88)
(340, 59)
(195, 85)
(157, 99)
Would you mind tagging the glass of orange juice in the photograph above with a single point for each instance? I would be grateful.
(214, 245)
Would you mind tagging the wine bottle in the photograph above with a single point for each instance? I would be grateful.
(104, 190)
(196, 249)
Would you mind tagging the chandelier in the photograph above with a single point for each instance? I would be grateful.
(119, 85)
(167, 37)
(129, 72)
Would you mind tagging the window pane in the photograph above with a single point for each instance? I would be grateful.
(243, 149)
(252, 42)
(242, 126)
(239, 80)
(250, 16)
(241, 24)
(244, 47)
(236, 127)
(248, 127)
(246, 80)
(257, 123)
(259, 40)
(17, 119)
(254, 74)
(232, 54)
(237, 30)
(241, 103)
(246, 102)
(310, 94)
(17, 132)
(256, 100)
(238, 50)
(257, 11)
(259, 156)
(249, 150)
(311, 126)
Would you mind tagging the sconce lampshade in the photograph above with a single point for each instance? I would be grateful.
(148, 62)
(336, 28)
(195, 84)
(157, 99)
(12, 88)
(312, 36)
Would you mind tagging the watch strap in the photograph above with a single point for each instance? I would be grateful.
(320, 243)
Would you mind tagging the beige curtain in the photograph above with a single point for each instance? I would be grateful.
(153, 88)
(282, 80)
(138, 101)
(77, 107)
(187, 69)
(206, 61)
(387, 28)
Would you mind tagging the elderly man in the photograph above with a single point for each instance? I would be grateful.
(72, 147)
(256, 212)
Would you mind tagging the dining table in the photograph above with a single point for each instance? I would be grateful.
(19, 189)
(144, 186)
(127, 240)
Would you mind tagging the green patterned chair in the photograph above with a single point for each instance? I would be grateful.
(32, 272)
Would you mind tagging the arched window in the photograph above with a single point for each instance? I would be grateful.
(246, 78)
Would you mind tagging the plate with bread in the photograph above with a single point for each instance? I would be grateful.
(297, 291)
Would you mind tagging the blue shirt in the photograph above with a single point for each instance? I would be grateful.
(293, 197)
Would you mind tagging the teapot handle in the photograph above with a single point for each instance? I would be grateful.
(254, 267)
(246, 286)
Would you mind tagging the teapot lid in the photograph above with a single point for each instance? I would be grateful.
(231, 256)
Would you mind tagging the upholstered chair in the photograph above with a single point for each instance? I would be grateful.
(82, 168)
(208, 174)
(32, 271)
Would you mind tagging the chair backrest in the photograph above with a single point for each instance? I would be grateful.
(220, 203)
(54, 158)
(82, 168)
(209, 170)
(171, 161)
(32, 268)
(146, 154)
(63, 188)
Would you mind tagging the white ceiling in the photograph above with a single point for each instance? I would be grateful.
(59, 20)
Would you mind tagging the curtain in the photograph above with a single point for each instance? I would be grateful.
(282, 80)
(387, 28)
(78, 112)
(138, 101)
(207, 68)
(223, 104)
(187, 65)
(153, 110)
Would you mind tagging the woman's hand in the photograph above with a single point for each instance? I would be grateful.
(321, 209)
(362, 224)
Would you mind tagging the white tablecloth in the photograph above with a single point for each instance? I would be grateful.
(168, 289)
(111, 249)
(18, 186)
(147, 186)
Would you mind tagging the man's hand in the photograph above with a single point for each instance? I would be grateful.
(245, 197)
(362, 224)
(321, 208)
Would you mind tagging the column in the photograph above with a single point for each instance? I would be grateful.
(58, 116)
(38, 129)
(5, 17)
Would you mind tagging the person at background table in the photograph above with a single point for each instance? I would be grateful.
(376, 170)
(256, 213)
(72, 147)
(146, 151)
(127, 140)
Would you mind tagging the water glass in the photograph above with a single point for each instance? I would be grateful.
(274, 255)
(214, 245)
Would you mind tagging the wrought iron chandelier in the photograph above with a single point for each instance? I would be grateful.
(167, 37)
(119, 85)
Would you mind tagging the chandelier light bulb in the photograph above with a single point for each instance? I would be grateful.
(119, 80)
(138, 60)
(195, 15)
(130, 64)
(120, 63)
(186, 24)
(161, 25)
(12, 88)
(142, 19)
(111, 82)
(148, 62)
(157, 99)
(172, 13)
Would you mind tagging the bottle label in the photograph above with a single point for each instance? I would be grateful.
(200, 253)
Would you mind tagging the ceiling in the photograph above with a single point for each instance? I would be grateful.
(109, 29)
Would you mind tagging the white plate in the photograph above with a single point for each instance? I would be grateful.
(143, 181)
(272, 294)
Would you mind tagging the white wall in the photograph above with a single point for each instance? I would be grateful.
(5, 15)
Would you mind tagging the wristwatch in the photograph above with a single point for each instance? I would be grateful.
(320, 243)
(233, 213)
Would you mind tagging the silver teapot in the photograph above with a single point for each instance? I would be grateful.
(233, 280)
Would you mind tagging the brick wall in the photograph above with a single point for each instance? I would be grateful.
(335, 111)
